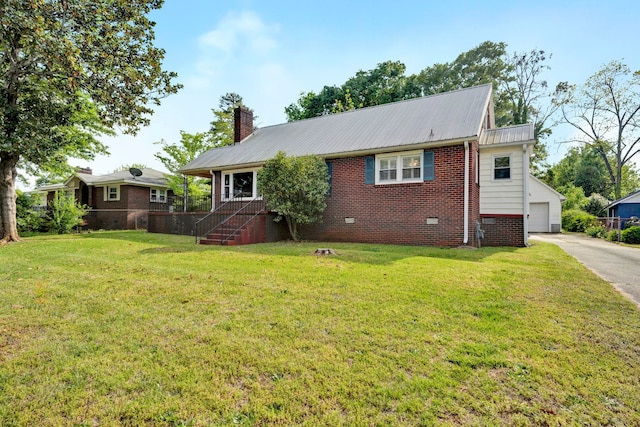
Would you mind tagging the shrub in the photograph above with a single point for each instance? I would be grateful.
(577, 220)
(65, 213)
(597, 231)
(27, 219)
(612, 236)
(631, 235)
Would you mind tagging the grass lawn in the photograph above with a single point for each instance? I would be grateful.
(131, 328)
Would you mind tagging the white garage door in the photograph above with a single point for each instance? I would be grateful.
(539, 217)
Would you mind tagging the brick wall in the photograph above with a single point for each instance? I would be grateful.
(398, 213)
(507, 230)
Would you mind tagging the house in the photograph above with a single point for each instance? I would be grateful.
(625, 208)
(545, 207)
(426, 171)
(117, 201)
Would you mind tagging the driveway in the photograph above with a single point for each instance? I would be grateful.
(617, 264)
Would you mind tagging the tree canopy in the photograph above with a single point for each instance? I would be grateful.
(519, 89)
(605, 114)
(60, 59)
(191, 145)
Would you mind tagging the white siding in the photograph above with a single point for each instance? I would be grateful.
(502, 196)
(541, 193)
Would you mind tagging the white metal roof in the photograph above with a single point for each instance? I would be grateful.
(430, 120)
(508, 135)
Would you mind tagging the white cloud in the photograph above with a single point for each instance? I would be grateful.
(241, 30)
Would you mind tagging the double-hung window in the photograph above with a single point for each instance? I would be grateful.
(112, 193)
(158, 195)
(502, 167)
(399, 167)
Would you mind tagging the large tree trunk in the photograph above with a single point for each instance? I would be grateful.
(8, 224)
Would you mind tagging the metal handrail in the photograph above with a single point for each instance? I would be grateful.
(230, 232)
(222, 215)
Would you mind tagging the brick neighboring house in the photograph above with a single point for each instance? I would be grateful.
(117, 201)
(425, 171)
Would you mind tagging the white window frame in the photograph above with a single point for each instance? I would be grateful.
(159, 197)
(223, 194)
(494, 168)
(107, 193)
(399, 167)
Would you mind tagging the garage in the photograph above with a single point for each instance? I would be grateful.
(539, 217)
(545, 207)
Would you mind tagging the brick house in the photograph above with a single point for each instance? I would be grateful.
(117, 201)
(425, 171)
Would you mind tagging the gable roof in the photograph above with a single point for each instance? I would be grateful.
(547, 187)
(631, 198)
(149, 178)
(431, 120)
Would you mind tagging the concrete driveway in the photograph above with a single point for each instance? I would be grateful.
(617, 264)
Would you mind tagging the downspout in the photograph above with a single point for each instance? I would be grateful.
(525, 193)
(466, 193)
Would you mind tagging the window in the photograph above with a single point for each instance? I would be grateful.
(158, 195)
(242, 184)
(398, 168)
(112, 193)
(502, 167)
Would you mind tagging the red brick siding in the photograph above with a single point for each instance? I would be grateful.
(507, 230)
(397, 213)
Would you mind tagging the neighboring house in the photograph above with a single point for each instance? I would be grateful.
(425, 171)
(545, 207)
(625, 208)
(117, 201)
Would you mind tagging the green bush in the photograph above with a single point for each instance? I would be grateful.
(577, 220)
(65, 213)
(631, 235)
(597, 231)
(27, 219)
(612, 236)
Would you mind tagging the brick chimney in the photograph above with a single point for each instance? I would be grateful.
(87, 171)
(242, 123)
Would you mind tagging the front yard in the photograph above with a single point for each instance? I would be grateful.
(131, 328)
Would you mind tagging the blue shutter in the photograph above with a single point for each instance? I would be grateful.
(369, 170)
(428, 172)
(330, 170)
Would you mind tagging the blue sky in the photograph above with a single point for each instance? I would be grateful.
(271, 51)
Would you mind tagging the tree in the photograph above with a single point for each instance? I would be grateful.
(221, 130)
(388, 83)
(60, 59)
(221, 133)
(175, 156)
(295, 188)
(527, 92)
(605, 113)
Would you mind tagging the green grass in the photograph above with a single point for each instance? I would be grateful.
(131, 328)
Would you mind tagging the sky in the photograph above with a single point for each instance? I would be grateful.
(270, 51)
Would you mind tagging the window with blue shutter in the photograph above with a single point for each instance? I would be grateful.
(428, 172)
(369, 170)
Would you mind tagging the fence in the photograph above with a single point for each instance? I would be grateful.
(177, 204)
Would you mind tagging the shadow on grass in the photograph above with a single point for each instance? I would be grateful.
(375, 254)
